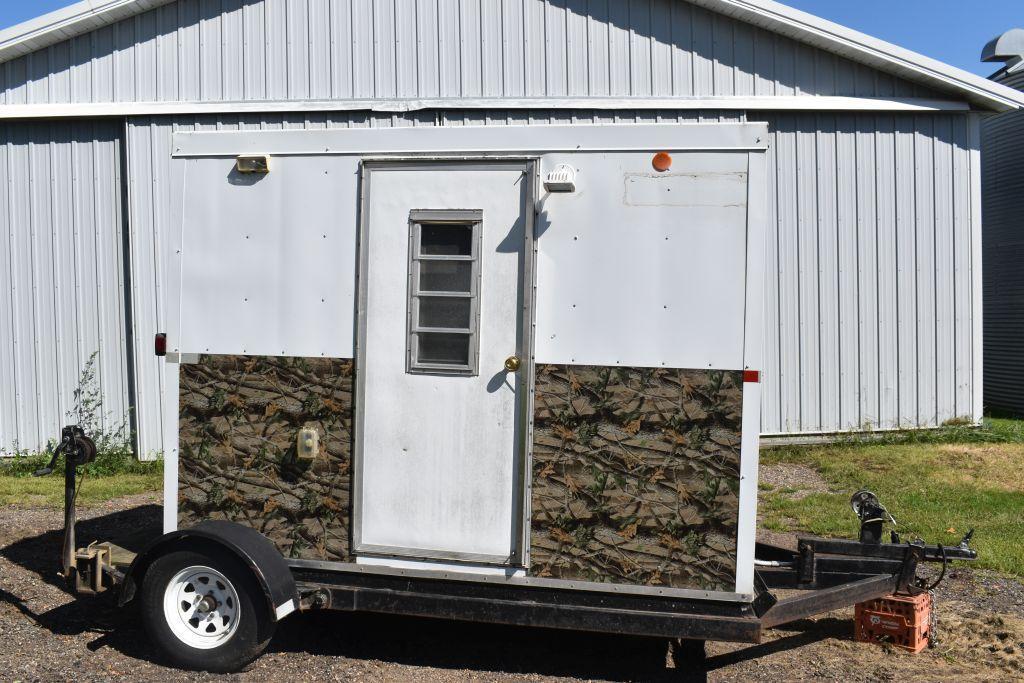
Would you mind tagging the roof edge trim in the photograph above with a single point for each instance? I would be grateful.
(68, 22)
(88, 15)
(866, 49)
(768, 103)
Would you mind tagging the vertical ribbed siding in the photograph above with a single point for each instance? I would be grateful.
(872, 314)
(1003, 244)
(870, 320)
(150, 196)
(62, 270)
(230, 50)
(149, 210)
(868, 294)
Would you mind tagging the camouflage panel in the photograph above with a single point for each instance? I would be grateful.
(636, 476)
(239, 422)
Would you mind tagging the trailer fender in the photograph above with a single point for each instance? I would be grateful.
(250, 546)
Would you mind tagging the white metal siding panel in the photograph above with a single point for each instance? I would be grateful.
(149, 189)
(870, 279)
(924, 235)
(771, 392)
(150, 196)
(63, 277)
(786, 224)
(867, 268)
(824, 311)
(962, 276)
(860, 258)
(840, 303)
(1003, 248)
(944, 287)
(848, 272)
(828, 269)
(235, 50)
(906, 275)
(888, 340)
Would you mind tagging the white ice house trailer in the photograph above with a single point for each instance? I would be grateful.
(872, 274)
(1002, 141)
(478, 309)
(540, 408)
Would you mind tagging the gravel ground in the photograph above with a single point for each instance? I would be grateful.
(48, 636)
(799, 480)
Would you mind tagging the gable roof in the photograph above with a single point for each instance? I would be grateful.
(89, 15)
(68, 22)
(859, 47)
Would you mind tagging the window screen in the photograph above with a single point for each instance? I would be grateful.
(444, 291)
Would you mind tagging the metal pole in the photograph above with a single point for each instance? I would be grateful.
(69, 514)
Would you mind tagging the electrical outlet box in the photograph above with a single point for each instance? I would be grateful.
(307, 446)
(254, 163)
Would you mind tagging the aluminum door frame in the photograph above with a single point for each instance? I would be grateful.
(518, 557)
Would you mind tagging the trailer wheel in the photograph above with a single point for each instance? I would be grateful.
(204, 611)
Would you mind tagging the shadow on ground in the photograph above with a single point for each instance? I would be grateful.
(41, 554)
(402, 640)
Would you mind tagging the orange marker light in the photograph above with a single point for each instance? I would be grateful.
(662, 162)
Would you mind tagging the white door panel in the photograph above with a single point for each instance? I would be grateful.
(438, 464)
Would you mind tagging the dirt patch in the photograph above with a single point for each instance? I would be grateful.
(796, 481)
(992, 640)
(50, 636)
(999, 466)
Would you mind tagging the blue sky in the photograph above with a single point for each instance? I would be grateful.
(952, 31)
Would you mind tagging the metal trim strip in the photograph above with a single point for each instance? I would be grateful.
(562, 584)
(476, 140)
(732, 103)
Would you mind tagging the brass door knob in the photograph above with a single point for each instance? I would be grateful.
(512, 363)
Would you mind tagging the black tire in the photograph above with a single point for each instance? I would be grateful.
(254, 628)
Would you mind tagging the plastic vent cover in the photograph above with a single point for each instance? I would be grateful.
(561, 179)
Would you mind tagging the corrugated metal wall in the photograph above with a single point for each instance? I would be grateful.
(227, 50)
(1003, 182)
(872, 272)
(872, 310)
(869, 289)
(149, 151)
(62, 297)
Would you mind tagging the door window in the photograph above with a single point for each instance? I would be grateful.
(444, 291)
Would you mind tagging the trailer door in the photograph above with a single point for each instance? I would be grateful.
(441, 366)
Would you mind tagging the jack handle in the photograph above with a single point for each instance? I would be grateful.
(60, 448)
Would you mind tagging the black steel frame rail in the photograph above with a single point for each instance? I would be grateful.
(667, 617)
(830, 582)
(825, 600)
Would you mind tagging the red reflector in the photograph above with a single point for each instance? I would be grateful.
(752, 376)
(662, 162)
(160, 344)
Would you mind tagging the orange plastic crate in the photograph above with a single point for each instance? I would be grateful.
(902, 621)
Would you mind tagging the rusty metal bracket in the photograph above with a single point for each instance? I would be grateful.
(905, 582)
(91, 564)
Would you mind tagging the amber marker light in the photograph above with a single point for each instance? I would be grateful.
(662, 162)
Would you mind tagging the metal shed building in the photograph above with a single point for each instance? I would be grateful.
(873, 289)
(1002, 176)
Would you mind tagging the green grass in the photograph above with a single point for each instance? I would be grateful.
(114, 473)
(109, 462)
(49, 491)
(936, 484)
